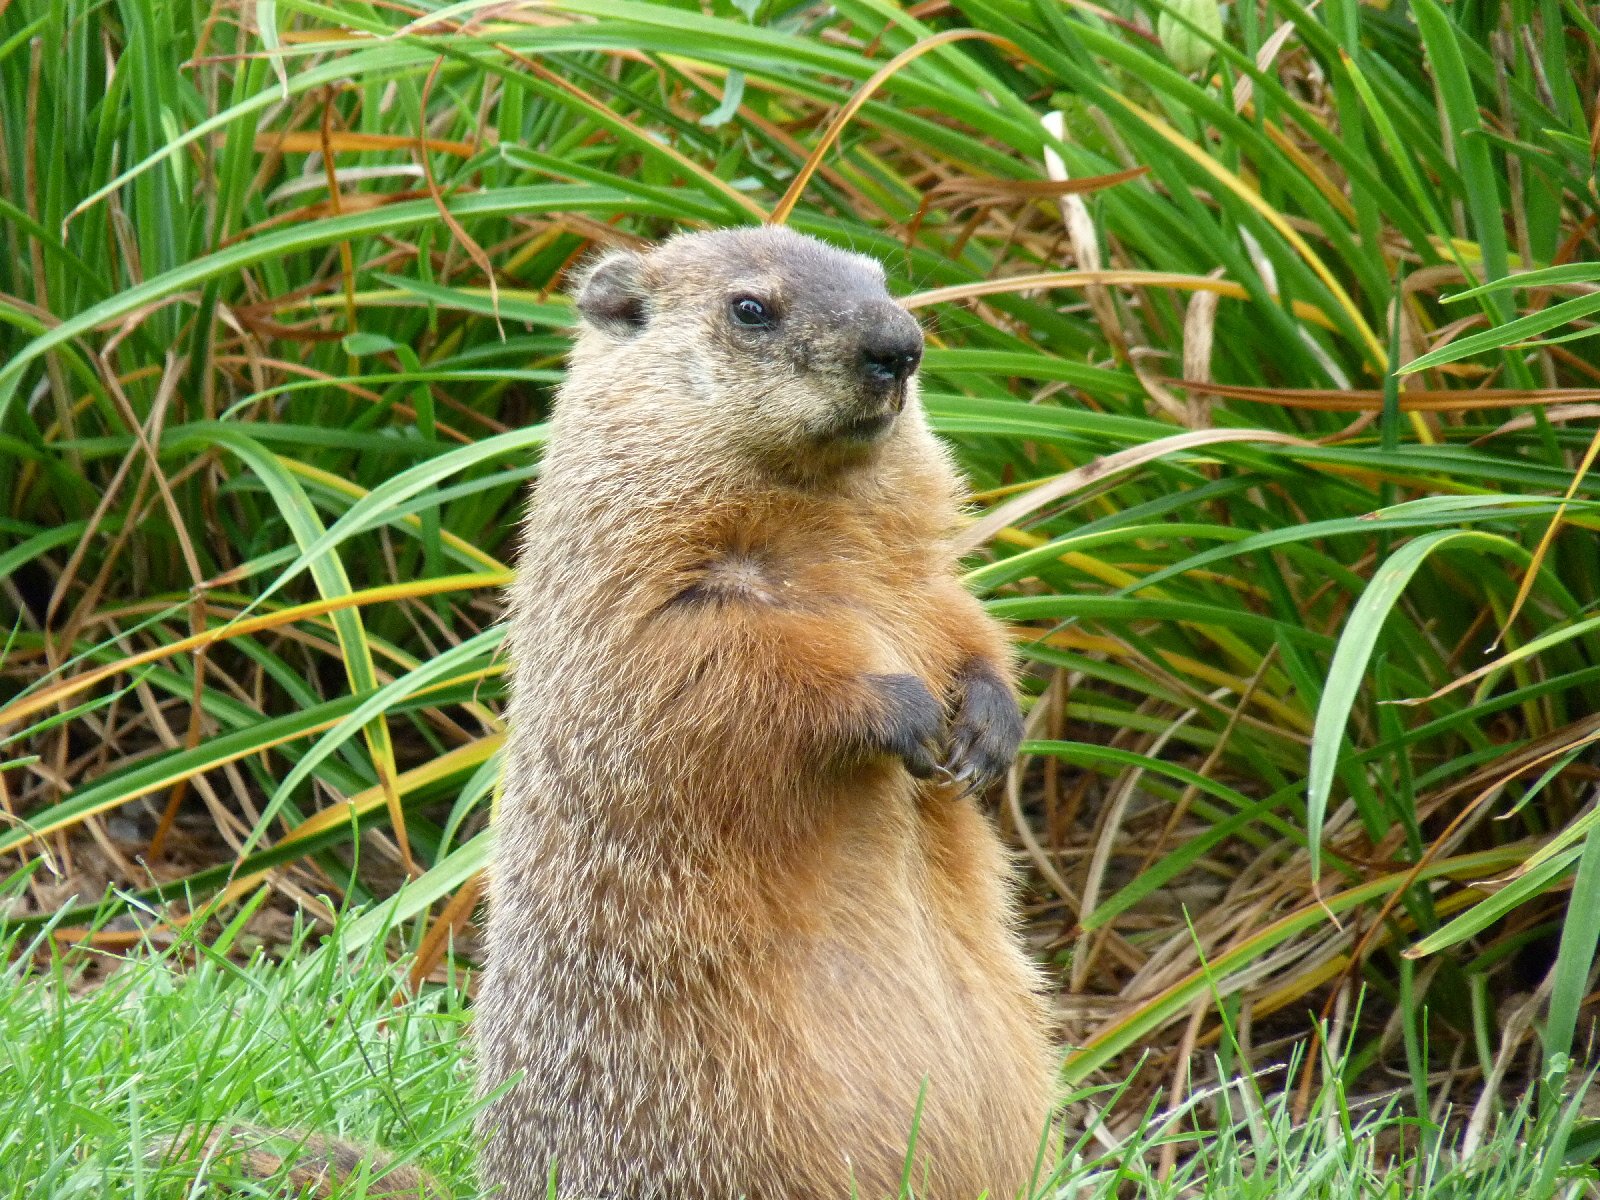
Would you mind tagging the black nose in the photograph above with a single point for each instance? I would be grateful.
(891, 350)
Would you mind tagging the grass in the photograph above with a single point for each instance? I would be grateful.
(1274, 379)
(135, 1050)
(187, 1036)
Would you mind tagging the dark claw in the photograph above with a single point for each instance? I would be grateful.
(985, 730)
(966, 780)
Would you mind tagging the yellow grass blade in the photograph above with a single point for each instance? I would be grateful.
(63, 689)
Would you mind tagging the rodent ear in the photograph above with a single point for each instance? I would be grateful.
(613, 295)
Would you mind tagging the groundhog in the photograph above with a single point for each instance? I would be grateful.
(749, 934)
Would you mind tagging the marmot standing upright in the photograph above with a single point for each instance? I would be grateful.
(748, 933)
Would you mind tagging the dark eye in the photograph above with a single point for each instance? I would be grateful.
(751, 313)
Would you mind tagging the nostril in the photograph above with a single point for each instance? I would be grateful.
(890, 345)
(885, 366)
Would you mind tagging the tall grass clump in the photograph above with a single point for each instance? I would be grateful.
(1264, 350)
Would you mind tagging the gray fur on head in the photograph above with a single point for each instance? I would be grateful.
(746, 346)
(612, 295)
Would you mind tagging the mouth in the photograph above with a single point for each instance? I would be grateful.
(895, 397)
(877, 412)
(867, 427)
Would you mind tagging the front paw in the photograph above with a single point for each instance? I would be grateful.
(909, 723)
(985, 730)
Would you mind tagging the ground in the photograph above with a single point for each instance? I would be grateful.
(96, 1079)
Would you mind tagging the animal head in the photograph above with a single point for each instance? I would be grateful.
(770, 343)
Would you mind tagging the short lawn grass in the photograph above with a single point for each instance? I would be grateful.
(95, 1078)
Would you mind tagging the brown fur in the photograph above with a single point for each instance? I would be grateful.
(732, 938)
